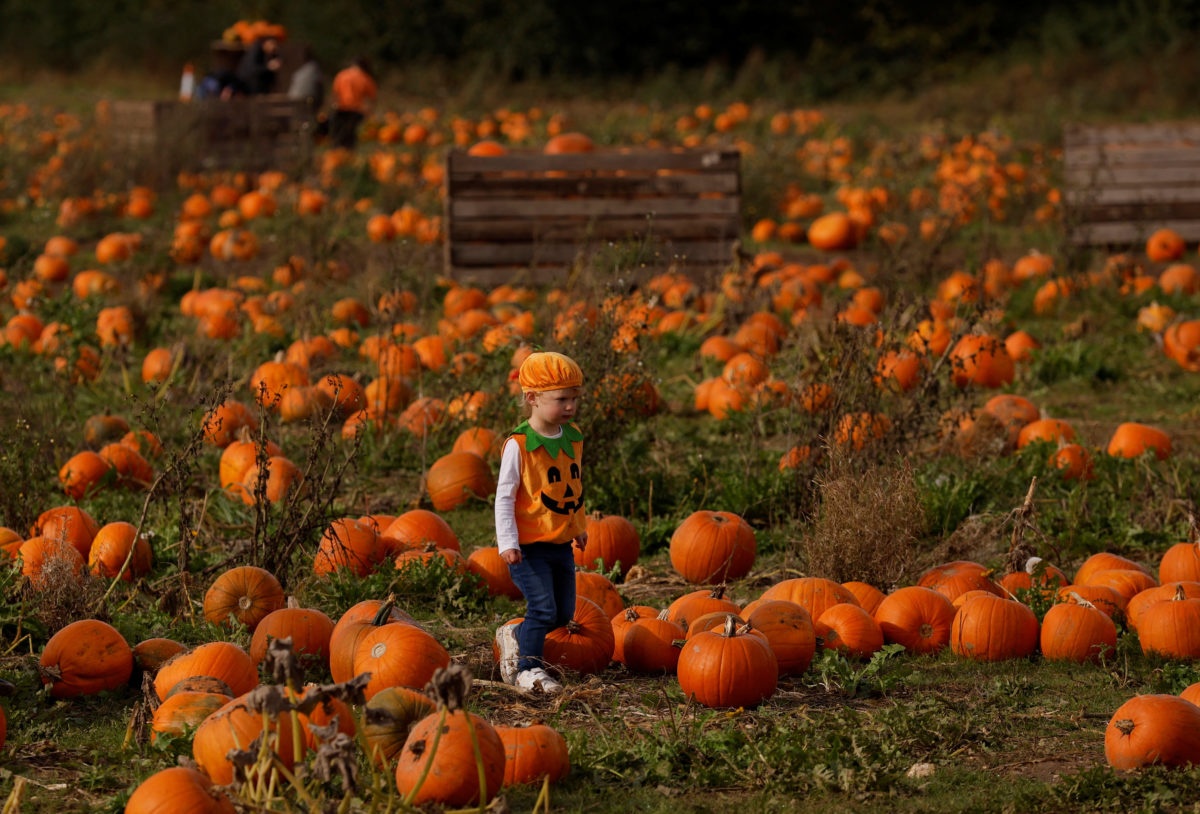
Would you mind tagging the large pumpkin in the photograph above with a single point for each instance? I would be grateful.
(389, 717)
(585, 644)
(1153, 730)
(235, 726)
(85, 657)
(456, 477)
(730, 668)
(710, 547)
(533, 753)
(178, 788)
(454, 759)
(989, 628)
(918, 618)
(612, 541)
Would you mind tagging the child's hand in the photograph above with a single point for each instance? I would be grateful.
(511, 556)
(581, 541)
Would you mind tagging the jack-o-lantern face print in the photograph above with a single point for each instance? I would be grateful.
(563, 495)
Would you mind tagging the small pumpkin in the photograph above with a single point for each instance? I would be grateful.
(178, 788)
(244, 595)
(533, 754)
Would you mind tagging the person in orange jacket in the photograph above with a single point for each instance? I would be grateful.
(354, 92)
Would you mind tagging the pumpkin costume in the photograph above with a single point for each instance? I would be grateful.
(539, 513)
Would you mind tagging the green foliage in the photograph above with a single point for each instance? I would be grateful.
(836, 674)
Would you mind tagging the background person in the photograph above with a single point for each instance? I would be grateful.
(354, 93)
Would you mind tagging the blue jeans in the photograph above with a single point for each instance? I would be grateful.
(546, 576)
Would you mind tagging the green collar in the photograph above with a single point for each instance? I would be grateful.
(553, 446)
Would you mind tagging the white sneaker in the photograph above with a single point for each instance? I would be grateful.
(538, 680)
(506, 643)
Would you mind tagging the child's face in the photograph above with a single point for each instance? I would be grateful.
(555, 406)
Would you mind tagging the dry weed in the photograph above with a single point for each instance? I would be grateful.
(867, 525)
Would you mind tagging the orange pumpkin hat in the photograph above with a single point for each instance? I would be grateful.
(548, 370)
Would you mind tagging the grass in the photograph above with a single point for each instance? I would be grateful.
(896, 733)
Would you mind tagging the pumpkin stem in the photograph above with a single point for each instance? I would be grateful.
(731, 626)
(384, 612)
(1079, 600)
(1125, 726)
(1180, 594)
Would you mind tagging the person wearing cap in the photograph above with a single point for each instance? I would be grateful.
(539, 514)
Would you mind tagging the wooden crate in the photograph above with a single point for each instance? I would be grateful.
(531, 216)
(1124, 181)
(248, 133)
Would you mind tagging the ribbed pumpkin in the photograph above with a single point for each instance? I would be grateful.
(599, 589)
(1171, 628)
(86, 657)
(953, 578)
(648, 644)
(184, 711)
(308, 628)
(1132, 440)
(1180, 563)
(693, 605)
(788, 629)
(235, 727)
(612, 541)
(814, 594)
(585, 644)
(981, 360)
(729, 668)
(710, 547)
(1152, 730)
(918, 618)
(350, 544)
(388, 717)
(457, 477)
(850, 630)
(868, 596)
(533, 754)
(398, 654)
(417, 527)
(1077, 631)
(350, 628)
(178, 789)
(486, 563)
(1141, 601)
(989, 628)
(243, 595)
(452, 757)
(118, 549)
(1104, 561)
(224, 661)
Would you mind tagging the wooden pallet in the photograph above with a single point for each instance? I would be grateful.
(1124, 181)
(534, 217)
(249, 133)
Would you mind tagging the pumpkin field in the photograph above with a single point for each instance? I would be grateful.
(893, 511)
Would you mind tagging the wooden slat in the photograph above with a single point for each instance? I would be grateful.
(591, 208)
(1131, 233)
(1151, 195)
(1134, 176)
(606, 186)
(459, 162)
(1124, 181)
(528, 210)
(583, 229)
(486, 254)
(1082, 135)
